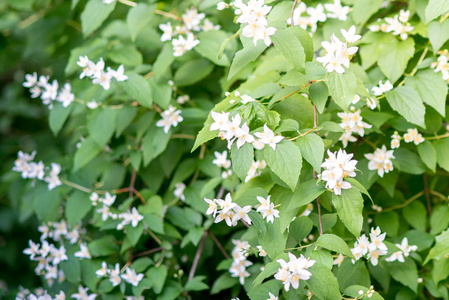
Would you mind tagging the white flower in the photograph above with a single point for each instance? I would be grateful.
(52, 178)
(338, 165)
(243, 136)
(295, 270)
(261, 251)
(412, 135)
(222, 5)
(208, 25)
(82, 294)
(84, 252)
(241, 213)
(58, 255)
(33, 250)
(382, 88)
(270, 213)
(103, 78)
(119, 75)
(114, 275)
(272, 297)
(135, 217)
(221, 121)
(221, 160)
(92, 104)
(170, 117)
(179, 191)
(30, 80)
(267, 137)
(339, 260)
(212, 209)
(65, 96)
(350, 35)
(168, 32)
(337, 11)
(131, 277)
(227, 204)
(103, 270)
(380, 160)
(36, 170)
(108, 200)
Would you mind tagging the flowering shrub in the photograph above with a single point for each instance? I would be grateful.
(246, 149)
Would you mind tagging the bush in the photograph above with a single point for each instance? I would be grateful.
(198, 149)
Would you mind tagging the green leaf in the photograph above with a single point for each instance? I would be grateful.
(196, 284)
(323, 283)
(138, 17)
(157, 275)
(431, 88)
(125, 116)
(209, 46)
(353, 291)
(94, 14)
(71, 269)
(269, 269)
(442, 148)
(134, 233)
(285, 162)
(103, 246)
(349, 208)
(439, 219)
(84, 154)
(242, 159)
(440, 270)
(441, 247)
(438, 34)
(57, 116)
(334, 243)
(394, 57)
(164, 60)
(225, 281)
(193, 71)
(286, 42)
(297, 108)
(261, 292)
(46, 203)
(349, 274)
(243, 57)
(77, 206)
(306, 193)
(312, 149)
(428, 155)
(359, 186)
(125, 54)
(101, 124)
(436, 8)
(415, 214)
(138, 89)
(406, 101)
(273, 242)
(154, 143)
(161, 92)
(406, 273)
(408, 162)
(319, 93)
(342, 87)
(364, 9)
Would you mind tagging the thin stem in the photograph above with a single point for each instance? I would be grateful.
(31, 19)
(168, 15)
(315, 122)
(127, 2)
(197, 257)
(219, 245)
(437, 137)
(139, 195)
(157, 249)
(292, 23)
(426, 190)
(154, 237)
(399, 205)
(221, 192)
(444, 18)
(423, 55)
(76, 186)
(438, 194)
(131, 185)
(183, 136)
(156, 108)
(303, 134)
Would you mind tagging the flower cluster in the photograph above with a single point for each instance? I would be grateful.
(37, 170)
(442, 65)
(191, 21)
(338, 165)
(49, 255)
(266, 208)
(380, 160)
(352, 123)
(290, 273)
(412, 135)
(48, 91)
(405, 251)
(221, 160)
(255, 170)
(232, 131)
(95, 71)
(372, 249)
(170, 117)
(39, 294)
(116, 275)
(126, 218)
(240, 261)
(317, 14)
(254, 15)
(337, 53)
(179, 191)
(382, 88)
(370, 102)
(398, 25)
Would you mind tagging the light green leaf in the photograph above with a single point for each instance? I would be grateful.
(312, 149)
(319, 93)
(394, 57)
(342, 87)
(138, 17)
(408, 162)
(436, 8)
(103, 246)
(243, 57)
(415, 214)
(94, 14)
(125, 116)
(46, 203)
(352, 273)
(428, 154)
(353, 291)
(334, 243)
(225, 281)
(286, 42)
(297, 108)
(323, 283)
(242, 159)
(138, 89)
(364, 9)
(431, 88)
(209, 46)
(84, 154)
(406, 273)
(101, 124)
(439, 219)
(154, 143)
(125, 54)
(441, 247)
(193, 71)
(349, 208)
(406, 101)
(438, 34)
(306, 193)
(196, 284)
(57, 117)
(273, 242)
(285, 162)
(442, 148)
(77, 206)
(269, 269)
(163, 60)
(157, 275)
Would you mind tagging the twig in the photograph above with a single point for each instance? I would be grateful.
(127, 2)
(154, 237)
(437, 137)
(292, 23)
(76, 186)
(197, 257)
(157, 249)
(399, 205)
(218, 244)
(183, 136)
(315, 122)
(221, 192)
(426, 191)
(435, 193)
(131, 185)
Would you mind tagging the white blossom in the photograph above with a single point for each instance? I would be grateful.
(380, 160)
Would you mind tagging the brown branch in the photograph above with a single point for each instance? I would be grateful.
(219, 245)
(197, 257)
(292, 23)
(426, 191)
(131, 185)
